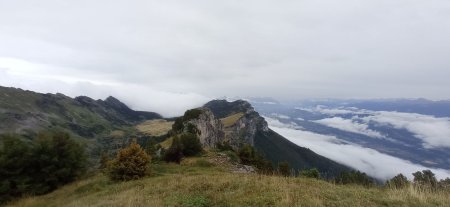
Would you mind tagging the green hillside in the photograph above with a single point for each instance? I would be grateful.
(196, 184)
(25, 112)
(278, 149)
(96, 123)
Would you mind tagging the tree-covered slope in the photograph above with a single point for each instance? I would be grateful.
(278, 149)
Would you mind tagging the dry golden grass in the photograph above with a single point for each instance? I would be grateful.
(191, 184)
(156, 127)
(230, 120)
(117, 134)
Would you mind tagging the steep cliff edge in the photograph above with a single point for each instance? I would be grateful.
(210, 129)
(241, 121)
(237, 123)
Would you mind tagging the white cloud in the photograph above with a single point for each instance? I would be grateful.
(433, 131)
(350, 126)
(277, 123)
(374, 163)
(239, 48)
(334, 111)
(281, 116)
(139, 97)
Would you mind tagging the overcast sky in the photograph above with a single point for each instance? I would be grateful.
(167, 56)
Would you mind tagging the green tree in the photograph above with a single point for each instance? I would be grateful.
(191, 144)
(284, 169)
(246, 154)
(354, 177)
(131, 163)
(398, 182)
(151, 148)
(57, 160)
(425, 178)
(249, 156)
(175, 151)
(310, 173)
(14, 168)
(49, 161)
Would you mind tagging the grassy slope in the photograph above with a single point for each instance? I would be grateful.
(192, 185)
(157, 127)
(230, 120)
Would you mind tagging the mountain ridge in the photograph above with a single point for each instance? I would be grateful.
(274, 146)
(97, 119)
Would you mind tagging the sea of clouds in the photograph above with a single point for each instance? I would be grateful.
(434, 132)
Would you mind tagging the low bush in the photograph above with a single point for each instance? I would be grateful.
(310, 173)
(131, 163)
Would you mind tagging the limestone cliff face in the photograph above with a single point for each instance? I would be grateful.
(242, 129)
(210, 129)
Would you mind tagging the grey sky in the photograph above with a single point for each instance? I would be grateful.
(169, 55)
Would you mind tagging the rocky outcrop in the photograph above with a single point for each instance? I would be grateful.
(244, 130)
(238, 123)
(210, 129)
(245, 123)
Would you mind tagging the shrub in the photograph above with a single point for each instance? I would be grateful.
(284, 169)
(178, 126)
(310, 173)
(398, 182)
(131, 163)
(175, 151)
(192, 114)
(225, 146)
(249, 156)
(354, 177)
(232, 155)
(191, 144)
(151, 148)
(246, 154)
(190, 128)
